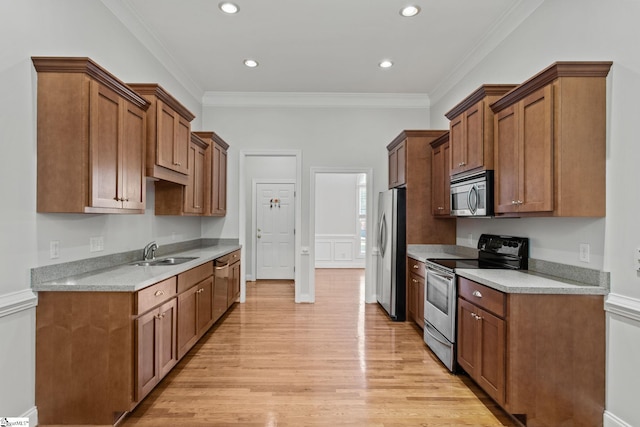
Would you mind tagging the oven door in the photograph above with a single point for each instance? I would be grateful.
(440, 301)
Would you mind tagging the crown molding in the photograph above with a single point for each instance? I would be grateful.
(315, 100)
(126, 14)
(509, 21)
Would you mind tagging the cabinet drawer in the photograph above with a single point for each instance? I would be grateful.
(154, 295)
(416, 280)
(416, 267)
(193, 276)
(482, 296)
(229, 258)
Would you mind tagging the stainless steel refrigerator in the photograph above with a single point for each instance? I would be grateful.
(392, 251)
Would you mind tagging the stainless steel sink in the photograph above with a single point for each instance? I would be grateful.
(165, 261)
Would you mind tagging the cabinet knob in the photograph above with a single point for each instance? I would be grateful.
(159, 293)
(519, 202)
(477, 294)
(416, 266)
(414, 280)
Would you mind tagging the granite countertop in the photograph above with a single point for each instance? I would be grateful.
(537, 280)
(132, 278)
(528, 282)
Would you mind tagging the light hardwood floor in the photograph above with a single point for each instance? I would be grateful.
(338, 362)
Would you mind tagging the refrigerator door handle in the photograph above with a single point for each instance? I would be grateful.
(382, 239)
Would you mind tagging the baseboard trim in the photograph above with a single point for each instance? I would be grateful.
(623, 306)
(15, 302)
(32, 414)
(610, 420)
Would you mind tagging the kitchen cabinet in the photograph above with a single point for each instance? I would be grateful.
(471, 130)
(397, 164)
(421, 226)
(234, 278)
(539, 356)
(190, 199)
(216, 197)
(91, 133)
(156, 346)
(168, 134)
(550, 143)
(415, 291)
(440, 180)
(156, 335)
(195, 306)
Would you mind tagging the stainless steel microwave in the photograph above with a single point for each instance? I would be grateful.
(472, 195)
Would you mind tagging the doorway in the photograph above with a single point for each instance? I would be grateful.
(274, 229)
(364, 188)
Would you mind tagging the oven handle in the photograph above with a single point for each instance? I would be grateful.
(439, 274)
(473, 191)
(426, 329)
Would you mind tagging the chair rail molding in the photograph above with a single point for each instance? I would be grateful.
(15, 302)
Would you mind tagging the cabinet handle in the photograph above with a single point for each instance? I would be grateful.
(160, 316)
(201, 290)
(477, 294)
(159, 293)
(519, 202)
(414, 280)
(416, 266)
(177, 164)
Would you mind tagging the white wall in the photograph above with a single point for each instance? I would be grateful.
(583, 30)
(337, 243)
(60, 28)
(337, 136)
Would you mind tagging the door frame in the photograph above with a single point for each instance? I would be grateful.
(254, 216)
(242, 214)
(369, 285)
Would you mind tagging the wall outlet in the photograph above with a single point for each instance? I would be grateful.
(96, 244)
(585, 249)
(54, 249)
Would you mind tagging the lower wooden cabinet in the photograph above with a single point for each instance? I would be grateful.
(155, 346)
(415, 291)
(98, 354)
(539, 356)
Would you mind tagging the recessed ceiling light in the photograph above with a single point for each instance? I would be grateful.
(409, 11)
(385, 64)
(251, 63)
(228, 7)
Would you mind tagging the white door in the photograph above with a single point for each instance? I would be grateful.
(275, 231)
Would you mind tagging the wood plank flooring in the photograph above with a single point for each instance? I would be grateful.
(338, 362)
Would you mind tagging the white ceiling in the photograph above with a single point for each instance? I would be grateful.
(331, 46)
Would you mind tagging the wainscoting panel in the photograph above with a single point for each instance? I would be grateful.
(338, 251)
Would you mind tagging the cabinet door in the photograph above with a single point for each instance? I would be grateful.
(437, 180)
(474, 135)
(536, 152)
(187, 320)
(205, 305)
(167, 337)
(393, 168)
(490, 373)
(411, 298)
(133, 140)
(446, 148)
(458, 145)
(148, 373)
(402, 163)
(173, 136)
(104, 131)
(194, 190)
(219, 181)
(467, 347)
(506, 160)
(234, 283)
(420, 311)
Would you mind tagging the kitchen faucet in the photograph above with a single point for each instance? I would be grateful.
(149, 251)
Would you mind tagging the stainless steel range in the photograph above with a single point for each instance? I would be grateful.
(440, 294)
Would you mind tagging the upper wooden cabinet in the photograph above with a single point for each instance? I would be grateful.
(91, 132)
(190, 199)
(168, 134)
(397, 164)
(413, 147)
(440, 182)
(550, 143)
(471, 130)
(216, 197)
